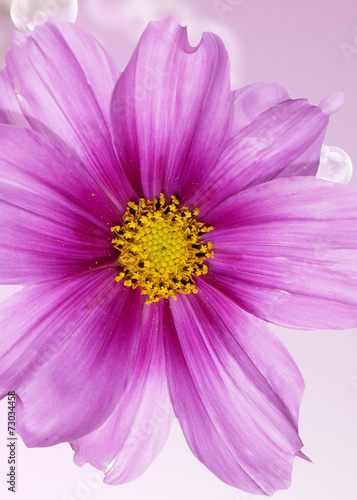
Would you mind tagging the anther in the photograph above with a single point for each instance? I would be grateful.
(155, 249)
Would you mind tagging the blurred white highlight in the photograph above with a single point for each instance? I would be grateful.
(335, 165)
(26, 14)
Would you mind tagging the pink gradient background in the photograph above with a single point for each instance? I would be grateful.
(297, 44)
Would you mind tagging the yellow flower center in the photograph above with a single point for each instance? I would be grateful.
(160, 249)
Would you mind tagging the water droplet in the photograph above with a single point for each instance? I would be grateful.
(26, 14)
(335, 165)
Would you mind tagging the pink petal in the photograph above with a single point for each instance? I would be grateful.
(59, 81)
(138, 428)
(63, 347)
(237, 411)
(286, 251)
(251, 101)
(54, 219)
(332, 103)
(171, 109)
(279, 142)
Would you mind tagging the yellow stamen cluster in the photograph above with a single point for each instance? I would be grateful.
(159, 248)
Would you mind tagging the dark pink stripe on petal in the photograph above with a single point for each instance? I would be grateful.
(279, 142)
(286, 251)
(68, 351)
(59, 81)
(171, 110)
(239, 415)
(54, 220)
(138, 427)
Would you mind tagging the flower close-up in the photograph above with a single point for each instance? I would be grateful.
(158, 221)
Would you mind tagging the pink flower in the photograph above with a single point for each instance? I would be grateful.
(116, 191)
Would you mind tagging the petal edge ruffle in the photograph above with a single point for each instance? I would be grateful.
(171, 110)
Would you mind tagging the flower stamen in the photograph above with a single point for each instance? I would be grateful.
(160, 249)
